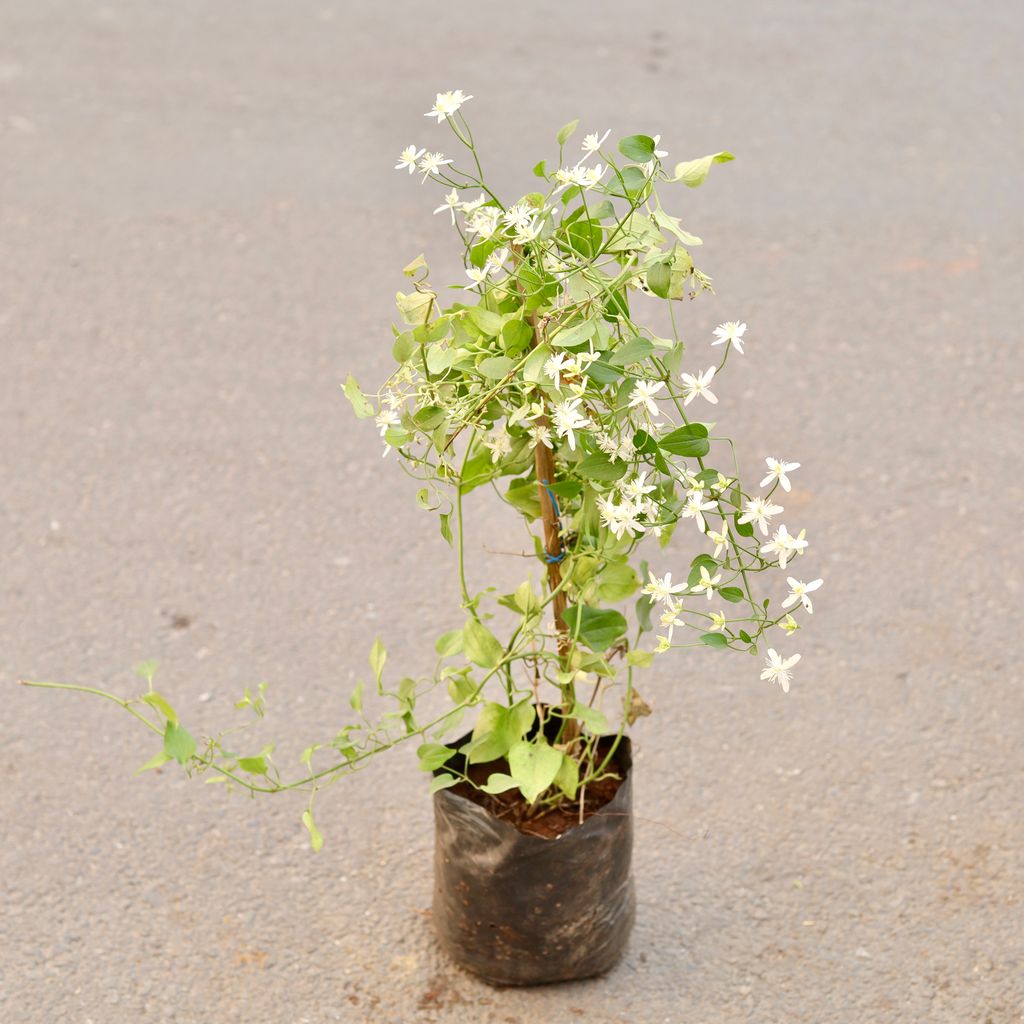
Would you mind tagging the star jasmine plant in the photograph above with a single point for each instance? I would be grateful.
(558, 378)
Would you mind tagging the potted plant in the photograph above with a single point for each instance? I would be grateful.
(546, 380)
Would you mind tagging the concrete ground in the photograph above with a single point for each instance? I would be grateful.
(200, 235)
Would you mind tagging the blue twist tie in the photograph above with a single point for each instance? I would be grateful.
(551, 559)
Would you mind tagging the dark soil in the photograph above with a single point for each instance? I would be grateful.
(548, 822)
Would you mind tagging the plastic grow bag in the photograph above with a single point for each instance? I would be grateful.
(518, 909)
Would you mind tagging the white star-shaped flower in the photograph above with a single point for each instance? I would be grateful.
(695, 508)
(777, 470)
(699, 385)
(541, 435)
(432, 163)
(785, 545)
(500, 444)
(777, 670)
(643, 394)
(478, 275)
(663, 589)
(554, 367)
(719, 539)
(568, 419)
(408, 158)
(591, 143)
(451, 204)
(707, 582)
(446, 104)
(798, 591)
(718, 621)
(759, 511)
(730, 331)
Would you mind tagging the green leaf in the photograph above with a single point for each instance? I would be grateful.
(147, 669)
(158, 701)
(639, 659)
(449, 643)
(154, 762)
(430, 417)
(481, 645)
(377, 658)
(488, 322)
(566, 131)
(495, 367)
(520, 719)
(633, 181)
(663, 220)
(593, 719)
(636, 350)
(575, 335)
(743, 529)
(695, 566)
(617, 581)
(597, 628)
(638, 148)
(491, 735)
(540, 169)
(659, 279)
(690, 441)
(568, 777)
(446, 526)
(178, 742)
(599, 467)
(714, 640)
(522, 494)
(498, 782)
(433, 755)
(733, 594)
(693, 172)
(362, 407)
(443, 781)
(253, 765)
(415, 307)
(316, 840)
(516, 335)
(356, 700)
(534, 767)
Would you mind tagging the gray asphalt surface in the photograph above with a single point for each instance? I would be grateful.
(201, 234)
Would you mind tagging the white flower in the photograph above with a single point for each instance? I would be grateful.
(500, 444)
(555, 367)
(730, 331)
(583, 177)
(643, 394)
(789, 625)
(451, 204)
(777, 670)
(568, 419)
(699, 385)
(658, 153)
(722, 482)
(529, 231)
(620, 519)
(432, 163)
(784, 545)
(541, 435)
(798, 591)
(718, 621)
(518, 216)
(446, 104)
(663, 589)
(637, 487)
(619, 450)
(497, 258)
(695, 508)
(777, 470)
(759, 511)
(671, 617)
(471, 205)
(707, 582)
(719, 539)
(484, 222)
(478, 275)
(408, 158)
(386, 419)
(591, 143)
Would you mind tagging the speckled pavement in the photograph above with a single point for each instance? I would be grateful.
(201, 234)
